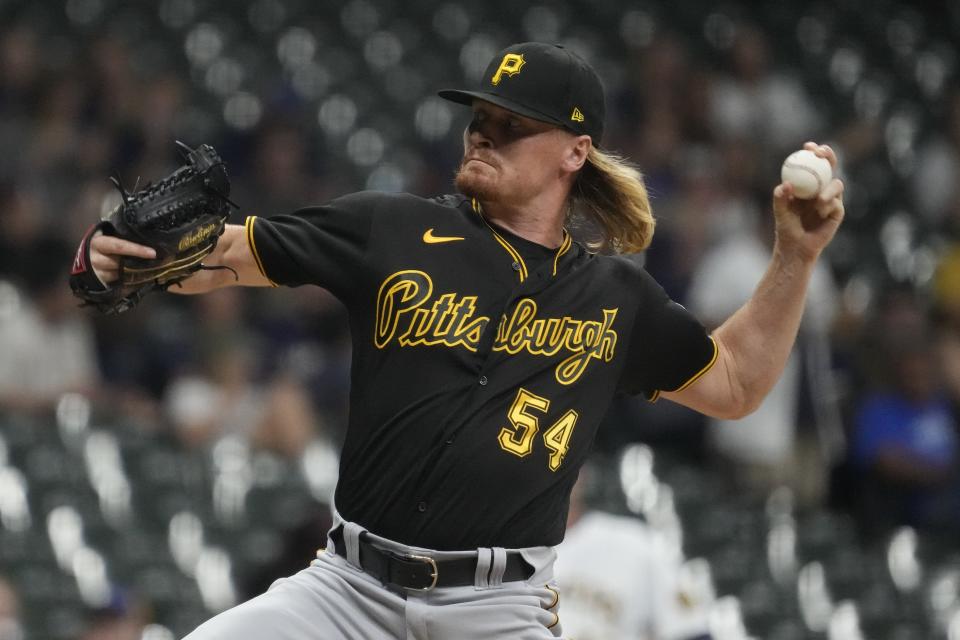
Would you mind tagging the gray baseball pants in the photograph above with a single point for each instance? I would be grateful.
(333, 598)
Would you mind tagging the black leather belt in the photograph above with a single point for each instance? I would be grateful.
(423, 573)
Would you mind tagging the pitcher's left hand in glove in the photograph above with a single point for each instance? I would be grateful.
(180, 217)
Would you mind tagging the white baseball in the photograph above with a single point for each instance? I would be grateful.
(807, 172)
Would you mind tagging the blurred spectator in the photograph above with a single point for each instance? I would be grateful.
(57, 142)
(715, 199)
(123, 618)
(279, 180)
(652, 133)
(905, 442)
(19, 66)
(162, 102)
(19, 82)
(221, 399)
(764, 445)
(305, 334)
(619, 578)
(300, 546)
(117, 93)
(224, 398)
(47, 343)
(946, 285)
(10, 627)
(934, 187)
(21, 214)
(289, 422)
(946, 301)
(757, 103)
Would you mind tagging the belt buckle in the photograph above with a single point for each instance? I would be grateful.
(434, 572)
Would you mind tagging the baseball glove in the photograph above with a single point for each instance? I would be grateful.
(181, 217)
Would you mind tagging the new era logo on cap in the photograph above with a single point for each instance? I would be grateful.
(545, 82)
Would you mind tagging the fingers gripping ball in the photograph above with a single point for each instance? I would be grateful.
(181, 217)
(807, 172)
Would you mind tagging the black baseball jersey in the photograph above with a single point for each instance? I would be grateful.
(482, 362)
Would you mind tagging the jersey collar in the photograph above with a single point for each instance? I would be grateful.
(514, 254)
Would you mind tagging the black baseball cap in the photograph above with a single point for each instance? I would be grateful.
(546, 82)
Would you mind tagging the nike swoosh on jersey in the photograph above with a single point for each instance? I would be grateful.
(429, 238)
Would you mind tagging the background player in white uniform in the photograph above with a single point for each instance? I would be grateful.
(620, 578)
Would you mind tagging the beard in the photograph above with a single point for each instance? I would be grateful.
(476, 180)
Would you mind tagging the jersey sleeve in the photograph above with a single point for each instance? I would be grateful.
(323, 245)
(669, 348)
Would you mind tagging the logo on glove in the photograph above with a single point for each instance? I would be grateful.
(196, 237)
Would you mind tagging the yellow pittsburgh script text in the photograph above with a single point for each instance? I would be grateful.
(408, 313)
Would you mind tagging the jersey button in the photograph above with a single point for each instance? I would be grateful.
(515, 266)
(421, 506)
(450, 441)
(483, 381)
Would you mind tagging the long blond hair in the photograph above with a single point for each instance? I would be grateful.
(610, 195)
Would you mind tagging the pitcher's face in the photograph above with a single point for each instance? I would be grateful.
(509, 158)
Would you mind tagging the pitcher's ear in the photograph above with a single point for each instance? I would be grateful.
(576, 154)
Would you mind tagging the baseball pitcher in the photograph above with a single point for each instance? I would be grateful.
(487, 344)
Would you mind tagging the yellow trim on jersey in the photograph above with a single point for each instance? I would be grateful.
(513, 253)
(248, 225)
(503, 243)
(564, 247)
(698, 374)
(694, 377)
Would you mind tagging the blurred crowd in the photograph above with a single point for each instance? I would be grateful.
(865, 418)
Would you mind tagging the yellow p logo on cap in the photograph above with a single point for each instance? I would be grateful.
(510, 65)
